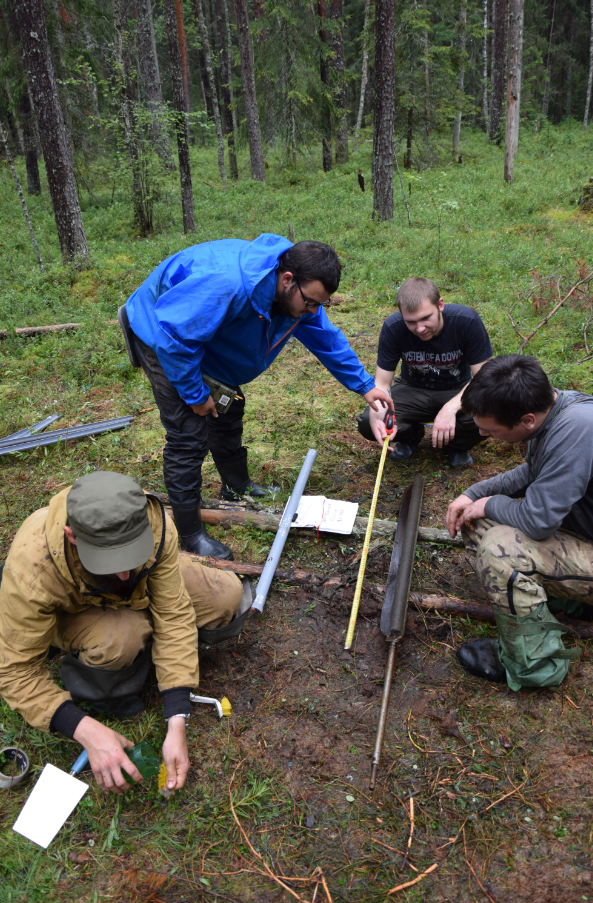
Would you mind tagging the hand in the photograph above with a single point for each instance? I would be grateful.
(475, 511)
(106, 754)
(377, 424)
(207, 407)
(443, 428)
(454, 519)
(377, 396)
(175, 754)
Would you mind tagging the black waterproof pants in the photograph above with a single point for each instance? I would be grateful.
(189, 436)
(415, 407)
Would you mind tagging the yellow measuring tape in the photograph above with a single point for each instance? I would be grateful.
(365, 548)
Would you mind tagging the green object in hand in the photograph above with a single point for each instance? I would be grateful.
(144, 758)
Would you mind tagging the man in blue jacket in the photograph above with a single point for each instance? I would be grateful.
(224, 310)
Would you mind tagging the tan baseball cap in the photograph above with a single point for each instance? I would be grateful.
(108, 514)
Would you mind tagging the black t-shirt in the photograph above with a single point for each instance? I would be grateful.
(439, 363)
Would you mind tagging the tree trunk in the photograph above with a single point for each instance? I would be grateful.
(460, 75)
(426, 85)
(498, 67)
(187, 198)
(546, 98)
(212, 83)
(229, 43)
(340, 92)
(590, 79)
(151, 80)
(365, 72)
(573, 31)
(141, 196)
(409, 137)
(485, 66)
(182, 52)
(256, 154)
(64, 93)
(514, 86)
(326, 119)
(25, 108)
(4, 140)
(225, 78)
(384, 109)
(38, 65)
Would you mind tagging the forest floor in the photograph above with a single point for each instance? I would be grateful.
(499, 780)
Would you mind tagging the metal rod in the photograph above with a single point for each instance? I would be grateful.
(402, 565)
(376, 760)
(404, 575)
(36, 428)
(271, 564)
(365, 549)
(65, 434)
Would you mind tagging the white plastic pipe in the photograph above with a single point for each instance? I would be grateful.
(263, 584)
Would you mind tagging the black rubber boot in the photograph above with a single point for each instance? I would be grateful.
(481, 658)
(459, 458)
(403, 450)
(193, 536)
(235, 479)
(124, 707)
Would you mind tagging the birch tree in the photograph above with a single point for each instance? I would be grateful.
(590, 79)
(514, 86)
(460, 75)
(365, 72)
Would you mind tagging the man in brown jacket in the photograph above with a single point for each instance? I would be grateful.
(98, 574)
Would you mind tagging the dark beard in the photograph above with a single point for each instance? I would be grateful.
(280, 304)
(110, 583)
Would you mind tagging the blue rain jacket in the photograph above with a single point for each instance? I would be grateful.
(207, 309)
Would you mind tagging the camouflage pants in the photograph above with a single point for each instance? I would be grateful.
(519, 573)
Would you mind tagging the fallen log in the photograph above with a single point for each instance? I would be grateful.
(284, 575)
(29, 331)
(482, 611)
(261, 521)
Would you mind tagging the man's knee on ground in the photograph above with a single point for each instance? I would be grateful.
(116, 640)
(364, 425)
(215, 595)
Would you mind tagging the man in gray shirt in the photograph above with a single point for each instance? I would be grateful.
(532, 527)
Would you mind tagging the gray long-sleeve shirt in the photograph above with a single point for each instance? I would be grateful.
(556, 481)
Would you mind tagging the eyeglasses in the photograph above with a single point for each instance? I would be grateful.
(311, 302)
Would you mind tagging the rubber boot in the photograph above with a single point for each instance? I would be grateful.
(481, 658)
(235, 479)
(531, 648)
(193, 536)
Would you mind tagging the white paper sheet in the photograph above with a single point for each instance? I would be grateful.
(53, 798)
(328, 515)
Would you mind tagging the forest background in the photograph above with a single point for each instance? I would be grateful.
(140, 116)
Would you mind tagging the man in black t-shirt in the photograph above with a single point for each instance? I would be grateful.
(441, 346)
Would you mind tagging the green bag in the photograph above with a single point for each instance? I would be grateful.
(531, 648)
(144, 758)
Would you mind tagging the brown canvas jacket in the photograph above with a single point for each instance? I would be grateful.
(43, 575)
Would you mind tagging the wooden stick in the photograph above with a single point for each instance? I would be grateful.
(582, 281)
(394, 890)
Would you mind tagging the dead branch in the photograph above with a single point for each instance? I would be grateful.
(515, 327)
(29, 331)
(577, 285)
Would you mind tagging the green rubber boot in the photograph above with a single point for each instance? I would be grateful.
(531, 648)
